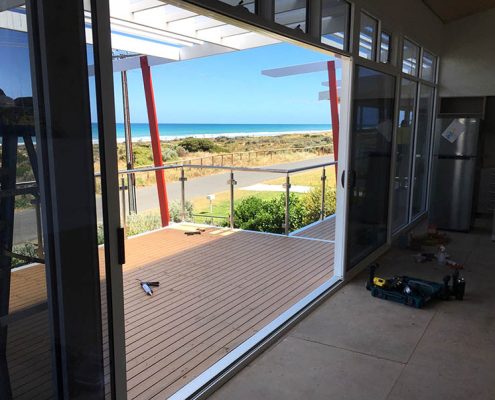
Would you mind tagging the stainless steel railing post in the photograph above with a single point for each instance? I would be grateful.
(287, 206)
(122, 195)
(232, 182)
(183, 180)
(323, 181)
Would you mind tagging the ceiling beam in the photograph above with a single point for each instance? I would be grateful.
(142, 5)
(296, 69)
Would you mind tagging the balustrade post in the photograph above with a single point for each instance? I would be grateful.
(287, 206)
(323, 186)
(122, 195)
(183, 180)
(232, 182)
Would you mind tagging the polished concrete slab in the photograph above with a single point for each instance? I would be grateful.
(358, 347)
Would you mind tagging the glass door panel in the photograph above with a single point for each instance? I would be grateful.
(25, 340)
(405, 140)
(371, 139)
(421, 156)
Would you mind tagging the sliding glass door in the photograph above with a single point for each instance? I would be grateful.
(369, 173)
(422, 150)
(404, 147)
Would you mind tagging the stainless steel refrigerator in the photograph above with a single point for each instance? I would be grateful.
(454, 169)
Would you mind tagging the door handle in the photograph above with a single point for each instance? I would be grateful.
(342, 179)
(352, 179)
(121, 246)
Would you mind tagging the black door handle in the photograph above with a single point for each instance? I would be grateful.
(342, 178)
(352, 178)
(121, 245)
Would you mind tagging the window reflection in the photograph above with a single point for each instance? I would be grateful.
(410, 55)
(404, 143)
(428, 67)
(248, 5)
(421, 157)
(335, 23)
(291, 13)
(385, 40)
(25, 344)
(370, 162)
(367, 36)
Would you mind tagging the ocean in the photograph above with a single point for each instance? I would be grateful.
(140, 131)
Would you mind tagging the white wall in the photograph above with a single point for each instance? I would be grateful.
(467, 66)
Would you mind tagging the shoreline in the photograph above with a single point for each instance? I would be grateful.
(142, 139)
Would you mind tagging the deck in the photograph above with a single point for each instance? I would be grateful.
(216, 290)
(323, 230)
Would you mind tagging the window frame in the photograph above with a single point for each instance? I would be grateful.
(348, 27)
(374, 45)
(401, 63)
(379, 47)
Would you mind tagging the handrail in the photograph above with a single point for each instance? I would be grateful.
(232, 182)
(226, 168)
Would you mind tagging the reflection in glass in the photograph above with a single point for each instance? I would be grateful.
(291, 13)
(367, 37)
(335, 23)
(25, 344)
(385, 47)
(423, 135)
(405, 137)
(410, 55)
(428, 66)
(368, 184)
(248, 5)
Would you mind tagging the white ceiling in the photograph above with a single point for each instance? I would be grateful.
(169, 33)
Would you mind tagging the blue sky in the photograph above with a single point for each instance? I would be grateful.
(15, 78)
(227, 88)
(230, 88)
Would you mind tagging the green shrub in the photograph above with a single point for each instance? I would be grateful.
(143, 155)
(181, 151)
(140, 223)
(23, 201)
(100, 234)
(169, 154)
(176, 210)
(194, 145)
(25, 249)
(312, 202)
(253, 213)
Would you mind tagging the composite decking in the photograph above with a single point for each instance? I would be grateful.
(216, 290)
(324, 230)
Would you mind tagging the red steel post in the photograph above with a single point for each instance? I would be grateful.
(334, 108)
(155, 140)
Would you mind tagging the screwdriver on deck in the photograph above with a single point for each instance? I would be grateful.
(147, 286)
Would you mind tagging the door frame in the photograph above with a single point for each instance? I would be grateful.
(113, 230)
(227, 366)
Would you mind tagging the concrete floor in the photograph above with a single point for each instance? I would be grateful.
(358, 347)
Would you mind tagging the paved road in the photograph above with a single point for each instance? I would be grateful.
(25, 226)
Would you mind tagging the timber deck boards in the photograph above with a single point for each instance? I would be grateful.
(216, 290)
(323, 230)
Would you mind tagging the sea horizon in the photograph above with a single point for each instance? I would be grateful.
(140, 131)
